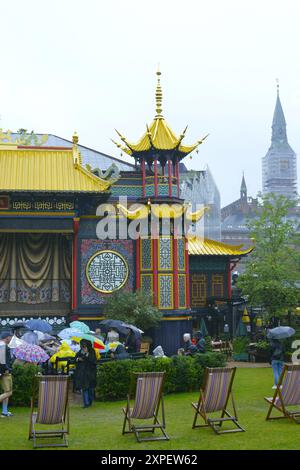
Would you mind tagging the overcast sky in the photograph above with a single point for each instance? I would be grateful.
(90, 66)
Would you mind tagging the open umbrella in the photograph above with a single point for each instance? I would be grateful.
(280, 332)
(67, 333)
(30, 353)
(39, 325)
(79, 325)
(30, 338)
(115, 324)
(96, 342)
(137, 331)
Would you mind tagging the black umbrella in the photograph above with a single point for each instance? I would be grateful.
(115, 324)
(136, 331)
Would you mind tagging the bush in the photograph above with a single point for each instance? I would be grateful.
(23, 383)
(183, 373)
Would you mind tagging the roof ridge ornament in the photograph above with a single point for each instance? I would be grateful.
(158, 96)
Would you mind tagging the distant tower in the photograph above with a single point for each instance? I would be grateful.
(243, 190)
(279, 166)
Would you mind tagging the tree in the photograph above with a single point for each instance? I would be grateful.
(273, 270)
(133, 307)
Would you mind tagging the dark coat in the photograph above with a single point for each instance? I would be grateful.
(85, 375)
(276, 350)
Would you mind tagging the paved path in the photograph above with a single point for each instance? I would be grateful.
(248, 365)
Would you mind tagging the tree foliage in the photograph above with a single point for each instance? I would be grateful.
(272, 275)
(133, 307)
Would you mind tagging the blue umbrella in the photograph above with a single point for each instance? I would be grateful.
(39, 325)
(280, 332)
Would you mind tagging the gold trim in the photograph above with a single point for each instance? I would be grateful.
(88, 276)
(91, 318)
(177, 318)
(62, 214)
(8, 230)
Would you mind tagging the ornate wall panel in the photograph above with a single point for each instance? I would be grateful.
(165, 254)
(146, 254)
(147, 283)
(181, 254)
(88, 250)
(198, 290)
(182, 290)
(165, 294)
(217, 285)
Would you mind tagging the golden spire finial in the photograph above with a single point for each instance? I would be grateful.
(158, 95)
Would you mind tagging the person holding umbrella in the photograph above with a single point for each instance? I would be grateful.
(277, 351)
(86, 372)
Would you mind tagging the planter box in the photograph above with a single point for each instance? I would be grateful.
(241, 357)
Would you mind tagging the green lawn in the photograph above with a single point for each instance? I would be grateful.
(99, 427)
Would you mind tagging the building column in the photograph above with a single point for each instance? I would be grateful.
(187, 273)
(170, 177)
(137, 266)
(155, 178)
(175, 272)
(144, 177)
(155, 270)
(74, 263)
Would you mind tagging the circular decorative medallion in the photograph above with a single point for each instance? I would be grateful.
(107, 271)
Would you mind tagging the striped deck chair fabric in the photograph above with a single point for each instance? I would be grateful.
(214, 397)
(52, 409)
(148, 397)
(286, 394)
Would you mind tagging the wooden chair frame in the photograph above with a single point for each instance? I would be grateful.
(216, 423)
(137, 429)
(282, 407)
(65, 424)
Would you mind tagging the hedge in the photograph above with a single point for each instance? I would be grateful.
(183, 373)
(23, 383)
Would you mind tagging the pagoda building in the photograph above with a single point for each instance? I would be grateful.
(56, 259)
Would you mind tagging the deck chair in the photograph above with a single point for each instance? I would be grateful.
(214, 396)
(52, 410)
(286, 394)
(148, 397)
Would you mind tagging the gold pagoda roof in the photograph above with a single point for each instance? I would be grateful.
(42, 169)
(205, 246)
(158, 135)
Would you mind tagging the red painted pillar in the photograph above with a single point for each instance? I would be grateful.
(170, 177)
(175, 272)
(229, 280)
(155, 178)
(74, 263)
(144, 177)
(137, 260)
(178, 178)
(187, 274)
(155, 270)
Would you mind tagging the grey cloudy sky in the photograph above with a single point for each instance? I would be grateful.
(90, 66)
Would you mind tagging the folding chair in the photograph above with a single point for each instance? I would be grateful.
(286, 394)
(148, 396)
(214, 396)
(52, 409)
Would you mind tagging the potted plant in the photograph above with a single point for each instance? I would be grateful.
(240, 345)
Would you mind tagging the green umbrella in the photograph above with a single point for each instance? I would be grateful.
(203, 328)
(241, 329)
